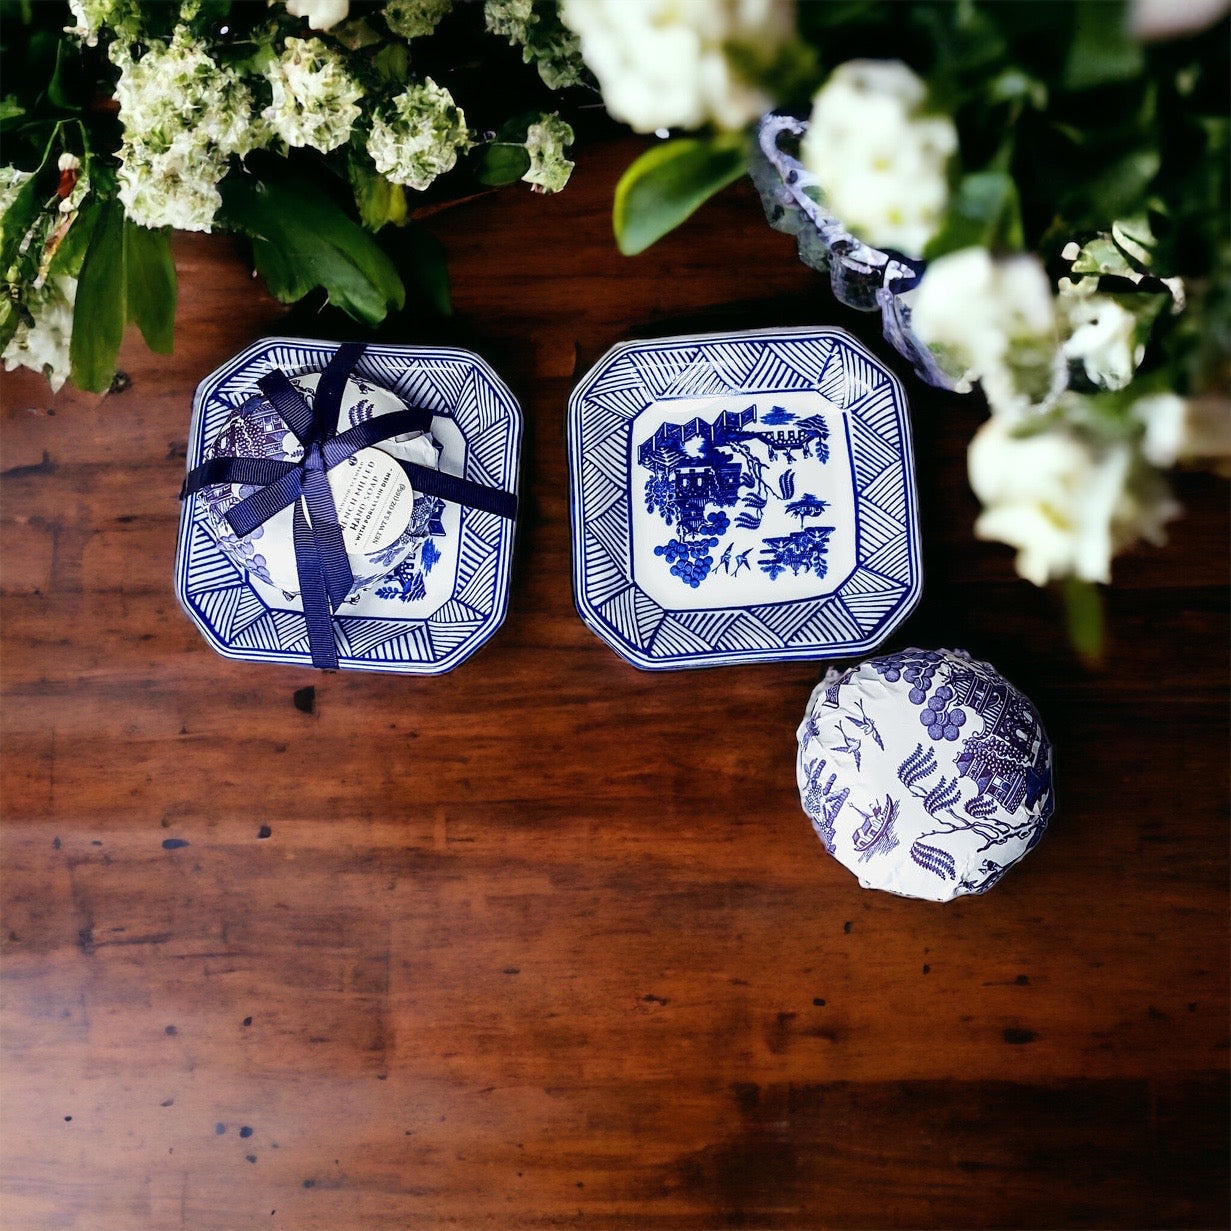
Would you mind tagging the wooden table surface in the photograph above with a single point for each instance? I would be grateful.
(548, 941)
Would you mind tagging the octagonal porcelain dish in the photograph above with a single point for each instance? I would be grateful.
(434, 609)
(744, 497)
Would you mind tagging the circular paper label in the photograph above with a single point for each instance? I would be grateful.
(374, 500)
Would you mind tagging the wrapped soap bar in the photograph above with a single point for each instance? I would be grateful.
(925, 773)
(381, 521)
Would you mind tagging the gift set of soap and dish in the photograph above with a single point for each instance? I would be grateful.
(735, 498)
(742, 497)
(428, 577)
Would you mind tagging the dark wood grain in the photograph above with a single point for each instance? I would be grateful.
(548, 941)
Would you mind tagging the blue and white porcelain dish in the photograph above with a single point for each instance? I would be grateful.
(744, 497)
(434, 607)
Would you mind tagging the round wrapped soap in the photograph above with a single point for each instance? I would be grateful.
(926, 773)
(382, 520)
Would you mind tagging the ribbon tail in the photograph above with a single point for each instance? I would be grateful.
(312, 589)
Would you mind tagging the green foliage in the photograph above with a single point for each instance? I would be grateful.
(668, 183)
(127, 274)
(101, 311)
(378, 200)
(301, 240)
(1083, 608)
(149, 281)
(985, 211)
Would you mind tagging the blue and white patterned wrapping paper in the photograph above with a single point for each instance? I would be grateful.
(257, 430)
(924, 772)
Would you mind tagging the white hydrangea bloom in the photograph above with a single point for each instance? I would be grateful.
(321, 14)
(415, 18)
(44, 345)
(1067, 504)
(1101, 334)
(509, 19)
(881, 160)
(183, 116)
(545, 142)
(313, 96)
(667, 63)
(546, 42)
(421, 139)
(122, 17)
(993, 322)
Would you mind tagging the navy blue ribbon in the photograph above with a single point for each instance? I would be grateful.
(325, 577)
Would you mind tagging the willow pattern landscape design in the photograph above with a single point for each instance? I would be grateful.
(997, 791)
(742, 462)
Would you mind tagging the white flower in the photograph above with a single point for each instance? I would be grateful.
(313, 96)
(1179, 430)
(1067, 504)
(545, 40)
(881, 160)
(122, 17)
(994, 322)
(43, 345)
(1102, 335)
(11, 180)
(415, 18)
(183, 116)
(1161, 19)
(321, 14)
(668, 63)
(545, 142)
(421, 139)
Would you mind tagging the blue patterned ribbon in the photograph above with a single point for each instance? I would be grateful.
(325, 576)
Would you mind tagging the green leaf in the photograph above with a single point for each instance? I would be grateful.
(378, 200)
(392, 63)
(1083, 605)
(301, 240)
(502, 163)
(71, 251)
(1116, 191)
(10, 108)
(150, 285)
(985, 212)
(1102, 50)
(100, 311)
(422, 260)
(668, 183)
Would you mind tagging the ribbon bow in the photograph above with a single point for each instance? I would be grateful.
(325, 576)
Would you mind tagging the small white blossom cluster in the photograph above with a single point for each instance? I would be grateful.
(545, 40)
(1101, 334)
(992, 321)
(184, 116)
(420, 138)
(881, 159)
(121, 16)
(314, 96)
(415, 18)
(545, 142)
(1066, 502)
(1066, 499)
(320, 14)
(669, 63)
(42, 343)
